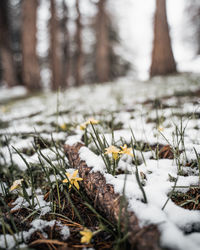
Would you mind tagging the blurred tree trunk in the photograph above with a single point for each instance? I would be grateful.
(197, 21)
(102, 63)
(163, 62)
(8, 74)
(66, 47)
(193, 10)
(198, 36)
(78, 57)
(30, 67)
(15, 14)
(55, 51)
(105, 61)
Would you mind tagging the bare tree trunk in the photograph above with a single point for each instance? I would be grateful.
(66, 47)
(8, 75)
(193, 12)
(102, 44)
(78, 57)
(55, 50)
(30, 67)
(163, 62)
(197, 18)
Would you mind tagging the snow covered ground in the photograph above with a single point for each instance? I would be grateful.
(163, 111)
(15, 92)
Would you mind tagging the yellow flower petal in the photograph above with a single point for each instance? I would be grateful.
(114, 151)
(79, 179)
(160, 129)
(16, 184)
(115, 156)
(63, 126)
(87, 236)
(123, 147)
(88, 122)
(92, 121)
(127, 151)
(68, 175)
(83, 126)
(76, 184)
(75, 173)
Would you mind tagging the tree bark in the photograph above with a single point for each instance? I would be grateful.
(196, 21)
(30, 67)
(66, 47)
(9, 74)
(193, 11)
(55, 49)
(102, 63)
(112, 204)
(78, 57)
(198, 33)
(163, 62)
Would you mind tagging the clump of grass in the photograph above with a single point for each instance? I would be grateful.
(64, 202)
(178, 146)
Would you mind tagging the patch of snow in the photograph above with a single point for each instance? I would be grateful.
(40, 204)
(7, 241)
(10, 93)
(71, 140)
(92, 160)
(19, 203)
(40, 225)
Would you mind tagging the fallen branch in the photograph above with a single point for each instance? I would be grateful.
(109, 202)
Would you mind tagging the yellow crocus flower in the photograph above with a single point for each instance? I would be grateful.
(88, 122)
(63, 126)
(72, 179)
(86, 236)
(16, 184)
(114, 151)
(125, 150)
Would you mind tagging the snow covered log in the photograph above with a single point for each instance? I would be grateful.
(106, 200)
